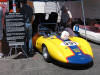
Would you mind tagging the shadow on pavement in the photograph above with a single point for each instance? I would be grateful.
(73, 66)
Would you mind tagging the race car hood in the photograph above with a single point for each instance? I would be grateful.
(70, 50)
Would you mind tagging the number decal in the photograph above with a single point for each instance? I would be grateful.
(69, 43)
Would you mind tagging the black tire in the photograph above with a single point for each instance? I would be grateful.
(45, 54)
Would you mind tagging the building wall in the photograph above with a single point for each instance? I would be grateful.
(91, 7)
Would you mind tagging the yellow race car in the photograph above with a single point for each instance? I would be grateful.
(74, 50)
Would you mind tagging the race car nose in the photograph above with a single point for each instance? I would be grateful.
(80, 59)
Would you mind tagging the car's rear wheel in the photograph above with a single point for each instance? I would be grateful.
(45, 54)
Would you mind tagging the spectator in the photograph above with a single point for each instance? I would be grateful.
(27, 11)
(66, 16)
(66, 20)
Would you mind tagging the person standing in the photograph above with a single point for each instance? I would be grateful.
(66, 16)
(66, 20)
(27, 11)
(1, 31)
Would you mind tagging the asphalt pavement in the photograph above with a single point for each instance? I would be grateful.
(37, 66)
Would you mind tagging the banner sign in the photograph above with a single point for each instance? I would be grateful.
(15, 29)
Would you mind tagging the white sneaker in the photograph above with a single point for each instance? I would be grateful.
(20, 53)
(1, 55)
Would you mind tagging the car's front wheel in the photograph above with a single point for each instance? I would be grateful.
(45, 54)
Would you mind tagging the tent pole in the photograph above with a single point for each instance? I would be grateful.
(82, 3)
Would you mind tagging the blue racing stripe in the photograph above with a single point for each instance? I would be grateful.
(75, 49)
(79, 57)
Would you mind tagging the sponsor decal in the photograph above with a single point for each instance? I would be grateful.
(76, 50)
(66, 48)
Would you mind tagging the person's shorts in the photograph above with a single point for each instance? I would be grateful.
(1, 34)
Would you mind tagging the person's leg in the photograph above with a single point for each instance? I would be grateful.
(25, 46)
(30, 39)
